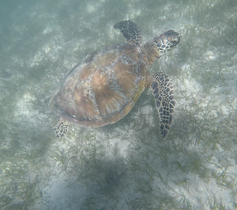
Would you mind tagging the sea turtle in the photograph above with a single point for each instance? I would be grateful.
(105, 87)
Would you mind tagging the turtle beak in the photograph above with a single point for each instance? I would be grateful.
(173, 37)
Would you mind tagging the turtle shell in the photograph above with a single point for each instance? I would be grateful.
(104, 88)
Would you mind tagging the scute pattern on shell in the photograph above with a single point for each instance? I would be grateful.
(104, 88)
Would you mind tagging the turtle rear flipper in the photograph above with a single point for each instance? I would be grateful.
(61, 128)
(130, 31)
(162, 88)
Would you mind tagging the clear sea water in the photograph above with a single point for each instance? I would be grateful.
(127, 165)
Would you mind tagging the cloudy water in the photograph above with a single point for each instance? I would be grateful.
(126, 165)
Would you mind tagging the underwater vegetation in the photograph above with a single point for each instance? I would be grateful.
(125, 165)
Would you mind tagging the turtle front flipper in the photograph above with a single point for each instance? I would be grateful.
(130, 31)
(61, 128)
(162, 88)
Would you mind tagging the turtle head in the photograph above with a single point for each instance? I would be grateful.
(166, 41)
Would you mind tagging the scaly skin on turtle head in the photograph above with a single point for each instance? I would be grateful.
(167, 41)
(160, 45)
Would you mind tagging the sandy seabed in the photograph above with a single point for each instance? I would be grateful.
(127, 165)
